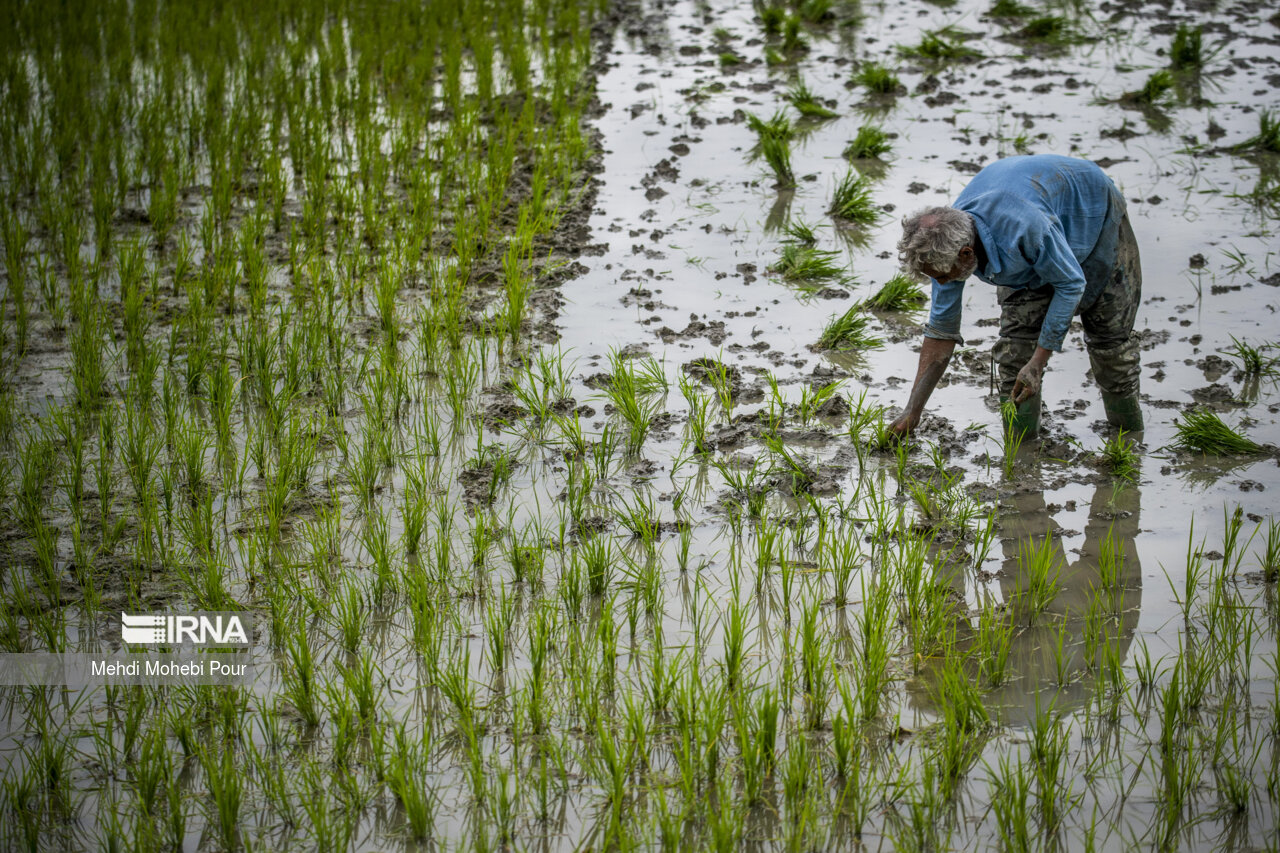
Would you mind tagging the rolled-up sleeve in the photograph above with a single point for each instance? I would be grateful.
(1057, 266)
(944, 311)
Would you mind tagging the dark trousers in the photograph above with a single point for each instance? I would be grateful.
(1108, 322)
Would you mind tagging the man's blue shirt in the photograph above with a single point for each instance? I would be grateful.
(1039, 218)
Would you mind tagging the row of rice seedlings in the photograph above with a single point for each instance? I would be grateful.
(186, 442)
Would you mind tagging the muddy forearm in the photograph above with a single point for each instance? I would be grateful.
(935, 355)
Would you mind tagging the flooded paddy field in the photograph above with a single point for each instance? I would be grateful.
(501, 385)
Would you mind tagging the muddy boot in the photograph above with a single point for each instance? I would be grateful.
(1123, 412)
(1025, 417)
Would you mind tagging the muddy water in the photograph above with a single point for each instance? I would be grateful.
(683, 232)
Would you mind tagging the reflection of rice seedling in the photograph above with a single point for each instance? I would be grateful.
(777, 153)
(778, 126)
(1009, 9)
(1120, 457)
(939, 45)
(1011, 803)
(804, 263)
(852, 200)
(897, 294)
(1155, 90)
(729, 58)
(806, 102)
(1204, 431)
(1252, 360)
(849, 332)
(1268, 137)
(877, 79)
(1186, 53)
(870, 141)
(801, 232)
(1040, 567)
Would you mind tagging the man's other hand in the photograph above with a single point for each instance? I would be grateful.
(1027, 384)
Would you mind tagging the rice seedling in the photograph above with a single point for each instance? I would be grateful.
(1050, 30)
(939, 46)
(1154, 91)
(776, 152)
(801, 233)
(1201, 430)
(852, 200)
(799, 263)
(793, 40)
(1252, 358)
(806, 102)
(778, 126)
(1009, 9)
(870, 141)
(1186, 52)
(849, 332)
(898, 293)
(1268, 137)
(772, 18)
(878, 80)
(1120, 457)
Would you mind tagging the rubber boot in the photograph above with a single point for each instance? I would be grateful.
(1123, 412)
(1026, 417)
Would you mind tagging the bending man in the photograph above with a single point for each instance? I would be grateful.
(1051, 234)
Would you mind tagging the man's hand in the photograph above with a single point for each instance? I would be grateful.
(935, 353)
(905, 424)
(1027, 385)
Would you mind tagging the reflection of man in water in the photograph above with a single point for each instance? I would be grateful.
(1032, 660)
(1051, 233)
(1031, 677)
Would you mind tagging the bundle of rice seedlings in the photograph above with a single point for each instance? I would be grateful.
(806, 102)
(849, 332)
(870, 141)
(1268, 138)
(939, 45)
(852, 200)
(898, 294)
(777, 126)
(777, 153)
(805, 263)
(1204, 431)
(1155, 90)
(877, 79)
(1187, 53)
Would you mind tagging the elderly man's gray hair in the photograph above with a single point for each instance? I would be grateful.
(932, 238)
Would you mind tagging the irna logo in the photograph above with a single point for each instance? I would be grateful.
(218, 629)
